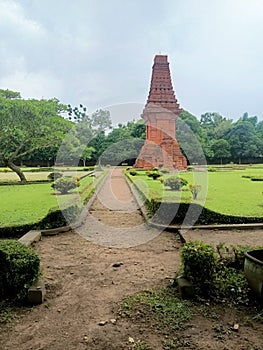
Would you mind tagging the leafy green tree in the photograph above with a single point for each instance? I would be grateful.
(25, 128)
(123, 142)
(190, 137)
(9, 94)
(89, 130)
(86, 154)
(243, 140)
(221, 149)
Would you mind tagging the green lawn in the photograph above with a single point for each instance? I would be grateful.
(225, 192)
(25, 204)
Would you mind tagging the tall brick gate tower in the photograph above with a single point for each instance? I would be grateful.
(161, 148)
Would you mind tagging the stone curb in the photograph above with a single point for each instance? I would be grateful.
(30, 237)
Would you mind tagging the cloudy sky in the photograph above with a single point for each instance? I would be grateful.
(100, 52)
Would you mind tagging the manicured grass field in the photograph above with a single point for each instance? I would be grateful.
(25, 204)
(226, 192)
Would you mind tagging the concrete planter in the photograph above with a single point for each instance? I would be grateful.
(253, 269)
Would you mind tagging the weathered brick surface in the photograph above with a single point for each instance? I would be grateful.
(161, 148)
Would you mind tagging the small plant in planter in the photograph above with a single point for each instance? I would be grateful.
(175, 182)
(65, 184)
(195, 189)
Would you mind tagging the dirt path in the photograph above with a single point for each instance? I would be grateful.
(114, 219)
(86, 282)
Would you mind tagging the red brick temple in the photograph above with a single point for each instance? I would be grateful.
(161, 148)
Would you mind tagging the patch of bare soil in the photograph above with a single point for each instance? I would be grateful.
(86, 283)
(84, 289)
(251, 237)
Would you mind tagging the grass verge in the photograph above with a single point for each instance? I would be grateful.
(228, 192)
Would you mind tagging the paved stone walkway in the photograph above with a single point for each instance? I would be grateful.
(114, 219)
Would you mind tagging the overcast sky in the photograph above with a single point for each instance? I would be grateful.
(100, 52)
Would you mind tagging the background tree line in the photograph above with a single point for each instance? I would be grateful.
(32, 132)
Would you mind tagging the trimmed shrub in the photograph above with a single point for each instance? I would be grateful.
(154, 174)
(213, 276)
(256, 178)
(37, 170)
(175, 182)
(57, 217)
(199, 265)
(65, 184)
(176, 213)
(54, 175)
(133, 172)
(211, 169)
(90, 168)
(19, 268)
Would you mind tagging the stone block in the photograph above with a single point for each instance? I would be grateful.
(37, 292)
(186, 289)
(30, 237)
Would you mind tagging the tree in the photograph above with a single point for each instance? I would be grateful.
(190, 137)
(221, 149)
(122, 143)
(25, 128)
(9, 94)
(86, 154)
(243, 140)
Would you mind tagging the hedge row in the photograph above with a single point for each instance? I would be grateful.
(189, 213)
(54, 218)
(19, 183)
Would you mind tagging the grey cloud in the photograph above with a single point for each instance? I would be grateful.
(100, 52)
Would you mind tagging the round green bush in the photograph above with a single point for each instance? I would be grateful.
(154, 174)
(199, 265)
(133, 172)
(54, 175)
(65, 184)
(19, 268)
(175, 182)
